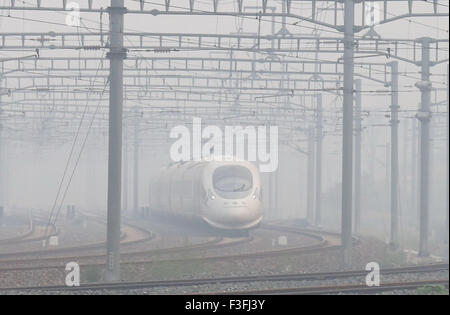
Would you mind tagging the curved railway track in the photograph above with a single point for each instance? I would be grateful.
(272, 278)
(69, 249)
(22, 236)
(56, 262)
(320, 243)
(35, 232)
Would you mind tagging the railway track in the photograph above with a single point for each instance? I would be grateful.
(58, 262)
(272, 278)
(35, 232)
(5, 257)
(320, 244)
(20, 237)
(344, 289)
(38, 259)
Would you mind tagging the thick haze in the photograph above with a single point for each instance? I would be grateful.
(32, 163)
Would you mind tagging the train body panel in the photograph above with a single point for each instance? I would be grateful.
(224, 194)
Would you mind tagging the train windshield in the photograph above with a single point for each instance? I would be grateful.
(233, 181)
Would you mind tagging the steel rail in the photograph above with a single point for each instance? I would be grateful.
(349, 289)
(245, 279)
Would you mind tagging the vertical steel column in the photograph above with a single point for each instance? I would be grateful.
(116, 55)
(318, 177)
(2, 169)
(310, 177)
(372, 155)
(347, 146)
(90, 176)
(358, 130)
(136, 166)
(125, 171)
(1, 152)
(276, 205)
(388, 179)
(270, 195)
(403, 195)
(394, 242)
(414, 193)
(424, 117)
(283, 30)
(448, 162)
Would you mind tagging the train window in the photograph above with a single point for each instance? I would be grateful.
(233, 181)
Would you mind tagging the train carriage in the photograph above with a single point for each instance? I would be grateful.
(224, 194)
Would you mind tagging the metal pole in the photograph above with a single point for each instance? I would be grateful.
(358, 130)
(347, 147)
(116, 55)
(387, 179)
(276, 209)
(90, 176)
(1, 152)
(319, 138)
(136, 167)
(310, 177)
(394, 242)
(424, 117)
(414, 193)
(125, 171)
(448, 162)
(405, 165)
(283, 30)
(270, 195)
(372, 156)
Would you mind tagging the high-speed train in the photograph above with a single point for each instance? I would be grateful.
(225, 194)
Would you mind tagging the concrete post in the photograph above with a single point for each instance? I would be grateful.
(1, 151)
(424, 117)
(394, 241)
(125, 172)
(347, 146)
(318, 177)
(414, 168)
(116, 56)
(358, 130)
(136, 166)
(310, 177)
(448, 162)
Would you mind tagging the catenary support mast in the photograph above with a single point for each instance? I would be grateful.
(394, 241)
(347, 148)
(358, 130)
(424, 117)
(319, 139)
(116, 56)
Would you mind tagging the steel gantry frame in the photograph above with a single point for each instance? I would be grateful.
(216, 8)
(348, 46)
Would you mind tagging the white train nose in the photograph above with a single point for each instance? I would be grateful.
(235, 203)
(234, 213)
(235, 220)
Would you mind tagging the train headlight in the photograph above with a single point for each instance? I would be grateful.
(256, 194)
(211, 195)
